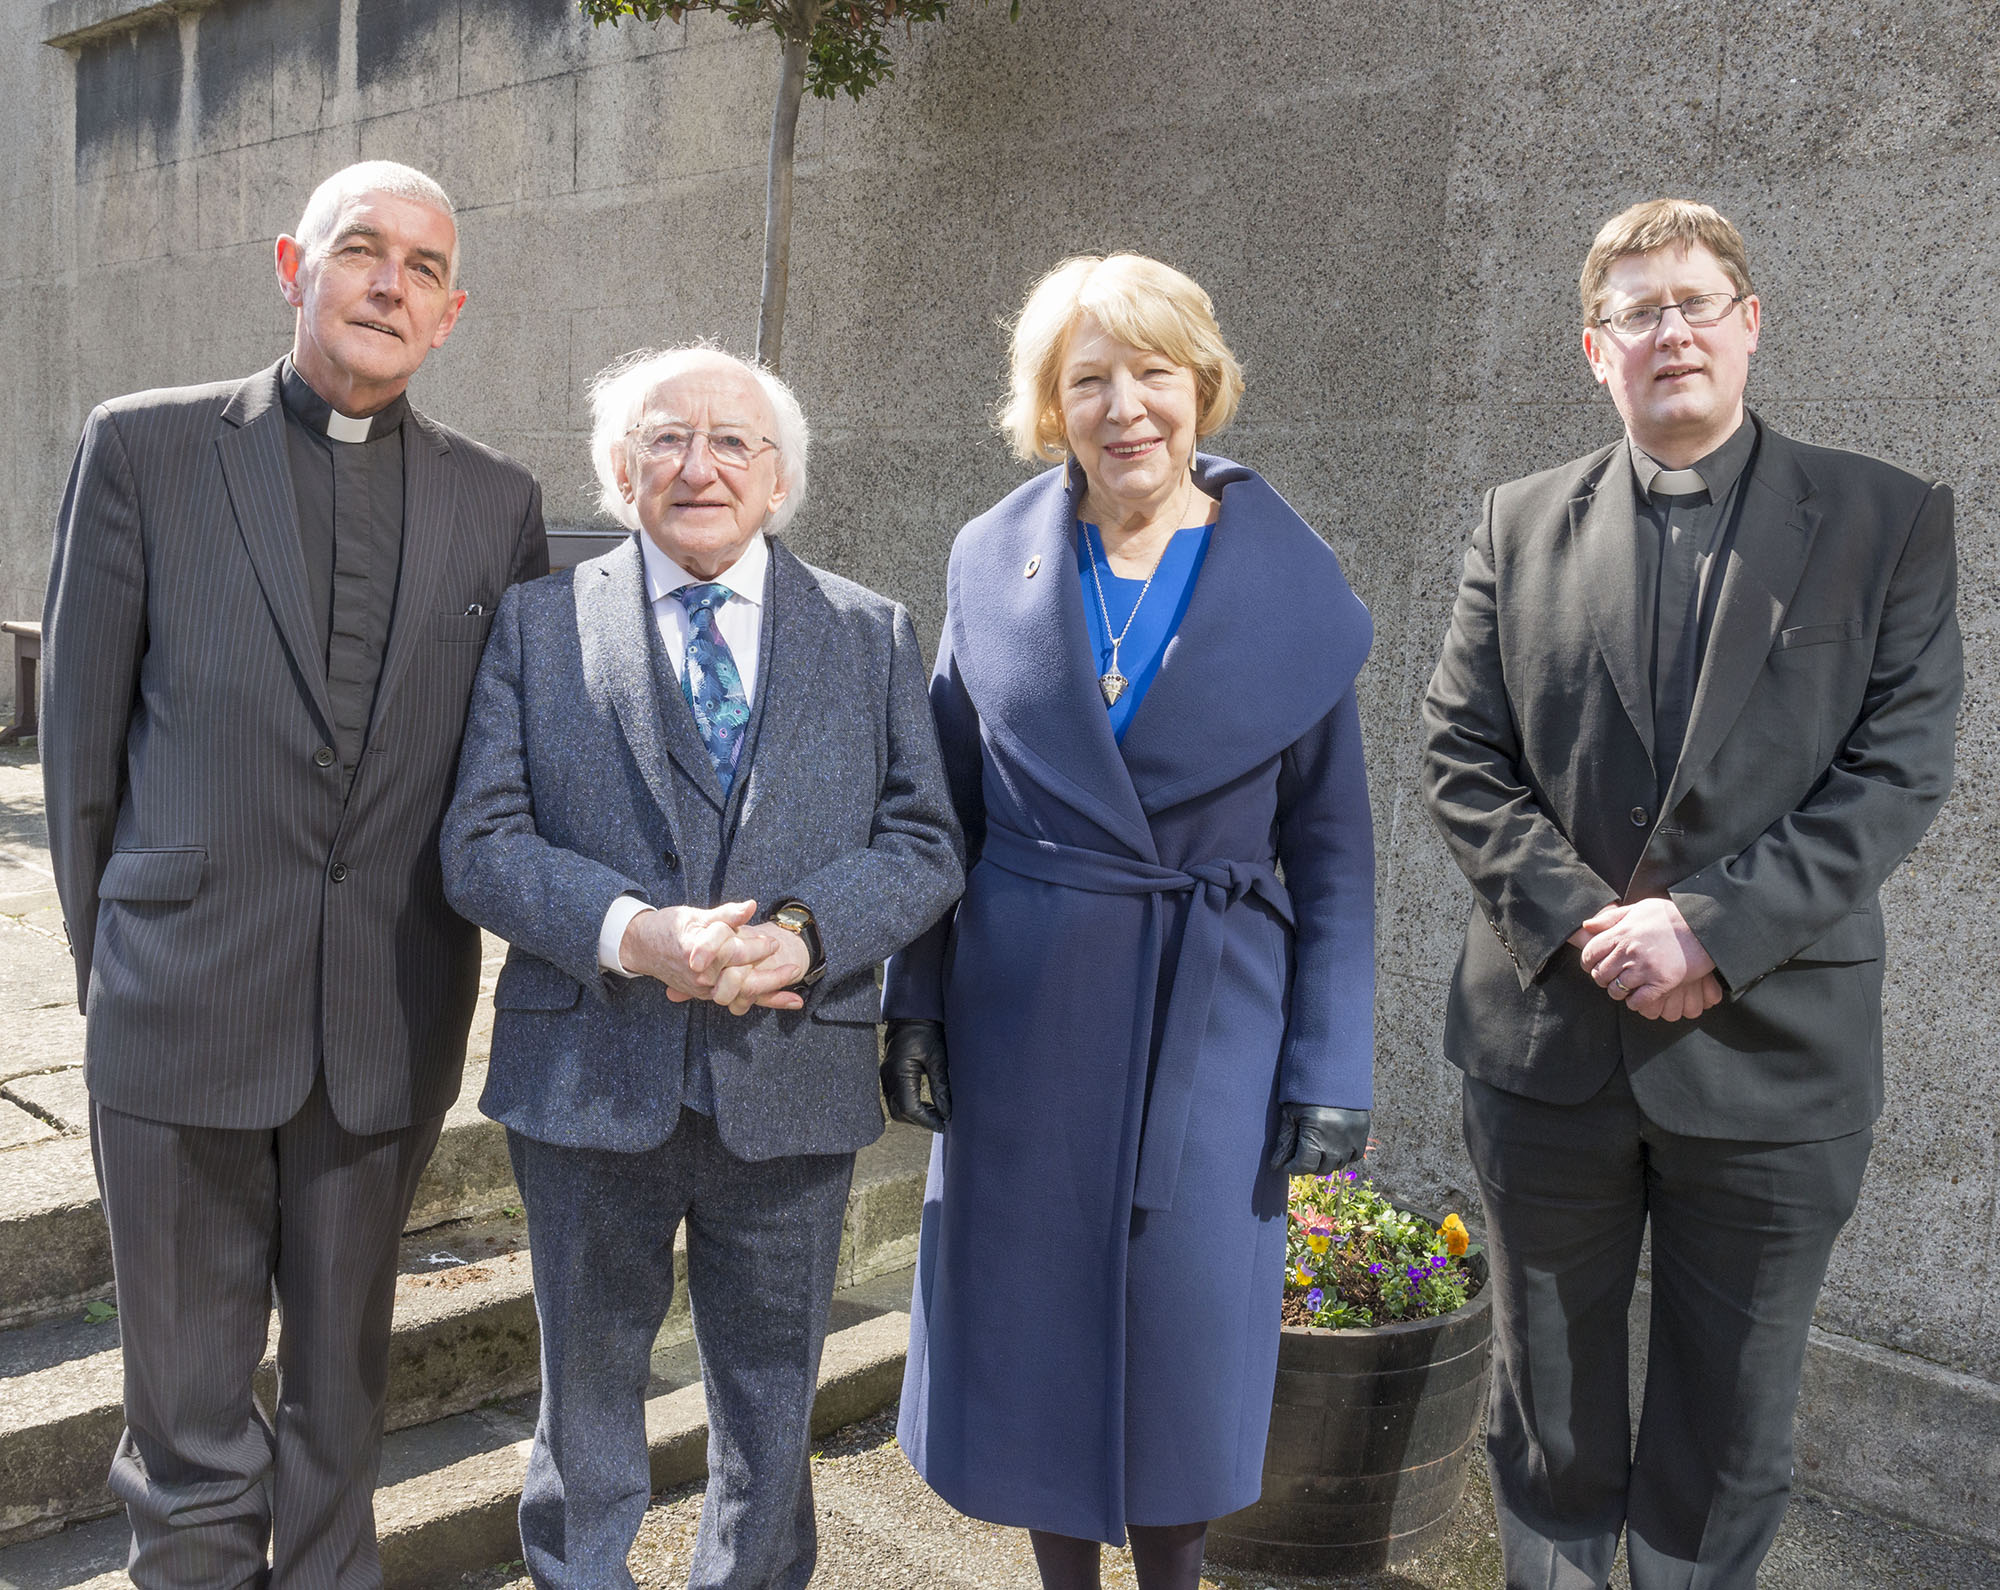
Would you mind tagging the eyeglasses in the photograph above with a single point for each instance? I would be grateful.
(730, 447)
(1704, 309)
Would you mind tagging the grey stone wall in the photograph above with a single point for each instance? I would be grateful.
(1389, 202)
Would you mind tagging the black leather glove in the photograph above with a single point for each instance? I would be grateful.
(915, 1054)
(1317, 1140)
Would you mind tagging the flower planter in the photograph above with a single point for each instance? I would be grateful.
(1368, 1446)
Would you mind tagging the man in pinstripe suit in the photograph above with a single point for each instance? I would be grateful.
(266, 609)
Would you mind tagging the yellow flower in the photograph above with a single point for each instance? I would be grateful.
(1456, 1238)
(1317, 1242)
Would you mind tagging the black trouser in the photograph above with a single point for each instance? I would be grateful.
(1741, 1232)
(205, 1223)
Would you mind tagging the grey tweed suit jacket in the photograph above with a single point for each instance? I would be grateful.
(236, 924)
(583, 778)
(1819, 749)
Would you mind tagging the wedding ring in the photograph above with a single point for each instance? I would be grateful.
(1618, 987)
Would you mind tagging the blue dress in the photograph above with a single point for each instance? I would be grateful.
(1160, 940)
(1154, 621)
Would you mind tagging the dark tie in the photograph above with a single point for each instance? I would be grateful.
(710, 682)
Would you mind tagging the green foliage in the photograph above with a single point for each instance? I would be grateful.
(99, 1313)
(848, 49)
(1353, 1259)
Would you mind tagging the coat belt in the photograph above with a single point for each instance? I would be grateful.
(1216, 886)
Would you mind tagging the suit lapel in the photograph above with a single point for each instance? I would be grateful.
(258, 475)
(1604, 533)
(613, 620)
(1774, 536)
(430, 520)
(797, 625)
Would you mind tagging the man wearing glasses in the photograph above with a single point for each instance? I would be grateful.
(701, 797)
(1696, 702)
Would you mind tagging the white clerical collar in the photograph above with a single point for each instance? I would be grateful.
(346, 428)
(743, 579)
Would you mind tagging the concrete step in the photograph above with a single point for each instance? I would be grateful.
(55, 1254)
(446, 1502)
(465, 1335)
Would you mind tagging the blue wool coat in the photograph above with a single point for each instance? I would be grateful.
(1154, 949)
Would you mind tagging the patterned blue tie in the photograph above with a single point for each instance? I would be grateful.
(713, 688)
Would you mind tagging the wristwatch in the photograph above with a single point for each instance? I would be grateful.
(794, 916)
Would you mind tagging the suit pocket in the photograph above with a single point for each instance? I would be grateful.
(529, 983)
(1817, 635)
(152, 875)
(854, 998)
(464, 628)
(1854, 938)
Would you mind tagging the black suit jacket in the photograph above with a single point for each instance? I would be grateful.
(1819, 748)
(236, 923)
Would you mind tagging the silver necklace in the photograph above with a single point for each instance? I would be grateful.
(1111, 682)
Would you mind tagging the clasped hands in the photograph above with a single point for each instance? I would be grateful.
(1646, 955)
(717, 954)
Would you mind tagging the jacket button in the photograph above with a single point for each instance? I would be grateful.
(323, 757)
(671, 862)
(338, 872)
(1639, 817)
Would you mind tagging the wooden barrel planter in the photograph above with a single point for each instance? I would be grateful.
(1370, 1431)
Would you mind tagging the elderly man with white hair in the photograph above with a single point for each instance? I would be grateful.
(702, 799)
(263, 621)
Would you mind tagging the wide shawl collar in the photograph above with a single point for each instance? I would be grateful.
(1271, 642)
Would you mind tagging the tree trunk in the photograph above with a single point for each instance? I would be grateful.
(778, 187)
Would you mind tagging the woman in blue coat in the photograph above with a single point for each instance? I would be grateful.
(1156, 997)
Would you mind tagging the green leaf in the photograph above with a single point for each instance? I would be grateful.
(99, 1312)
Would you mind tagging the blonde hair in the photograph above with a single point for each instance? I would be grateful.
(1658, 224)
(1137, 300)
(618, 397)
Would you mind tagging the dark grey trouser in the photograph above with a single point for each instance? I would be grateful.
(205, 1224)
(763, 1242)
(1741, 1235)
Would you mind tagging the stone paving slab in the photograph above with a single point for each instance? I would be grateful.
(38, 1038)
(35, 967)
(19, 1126)
(59, 1097)
(54, 1249)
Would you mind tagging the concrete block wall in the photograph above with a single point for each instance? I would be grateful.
(1389, 203)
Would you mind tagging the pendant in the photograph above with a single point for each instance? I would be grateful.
(1113, 685)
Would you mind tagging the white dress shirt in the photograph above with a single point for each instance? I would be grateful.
(740, 621)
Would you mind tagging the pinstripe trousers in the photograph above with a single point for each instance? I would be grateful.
(206, 1224)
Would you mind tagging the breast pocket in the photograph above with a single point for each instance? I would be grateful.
(468, 628)
(1817, 635)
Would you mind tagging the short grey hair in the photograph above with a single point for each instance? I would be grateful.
(618, 397)
(322, 211)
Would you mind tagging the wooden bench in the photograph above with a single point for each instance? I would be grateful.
(27, 659)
